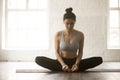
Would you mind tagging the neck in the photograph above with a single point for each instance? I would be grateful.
(68, 32)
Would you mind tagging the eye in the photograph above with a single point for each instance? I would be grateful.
(72, 23)
(67, 23)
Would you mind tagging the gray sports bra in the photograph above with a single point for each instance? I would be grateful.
(64, 46)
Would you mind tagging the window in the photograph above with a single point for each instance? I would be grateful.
(25, 25)
(114, 25)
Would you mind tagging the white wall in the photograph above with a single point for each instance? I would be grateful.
(91, 20)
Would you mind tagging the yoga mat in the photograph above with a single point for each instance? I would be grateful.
(32, 71)
(48, 71)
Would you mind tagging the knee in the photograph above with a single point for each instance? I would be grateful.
(38, 59)
(99, 60)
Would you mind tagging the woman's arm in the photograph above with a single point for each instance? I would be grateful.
(57, 53)
(80, 52)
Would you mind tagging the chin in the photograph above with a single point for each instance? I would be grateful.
(68, 30)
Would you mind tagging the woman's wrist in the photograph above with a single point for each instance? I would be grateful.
(63, 64)
(76, 64)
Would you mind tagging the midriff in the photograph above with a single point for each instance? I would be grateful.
(69, 55)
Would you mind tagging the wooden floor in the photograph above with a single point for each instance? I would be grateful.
(8, 72)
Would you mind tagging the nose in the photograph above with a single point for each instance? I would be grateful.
(69, 26)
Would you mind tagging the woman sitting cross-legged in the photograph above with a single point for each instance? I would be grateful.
(69, 49)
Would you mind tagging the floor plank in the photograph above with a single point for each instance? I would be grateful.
(8, 72)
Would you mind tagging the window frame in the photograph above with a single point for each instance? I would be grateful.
(109, 26)
(4, 26)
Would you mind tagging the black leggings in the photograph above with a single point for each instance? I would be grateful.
(54, 65)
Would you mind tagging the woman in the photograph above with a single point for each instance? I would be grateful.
(69, 49)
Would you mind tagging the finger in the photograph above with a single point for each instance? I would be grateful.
(69, 70)
(75, 69)
(63, 67)
(66, 68)
(72, 68)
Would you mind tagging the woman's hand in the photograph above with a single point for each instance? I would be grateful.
(74, 68)
(66, 68)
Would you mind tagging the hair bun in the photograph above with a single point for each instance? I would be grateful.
(69, 10)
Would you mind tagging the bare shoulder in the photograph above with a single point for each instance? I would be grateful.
(57, 35)
(81, 34)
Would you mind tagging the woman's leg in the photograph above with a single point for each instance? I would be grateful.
(48, 63)
(89, 63)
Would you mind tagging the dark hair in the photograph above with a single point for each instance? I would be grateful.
(69, 14)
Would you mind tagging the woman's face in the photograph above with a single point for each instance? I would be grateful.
(69, 24)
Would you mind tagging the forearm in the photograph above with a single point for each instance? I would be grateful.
(79, 57)
(59, 58)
